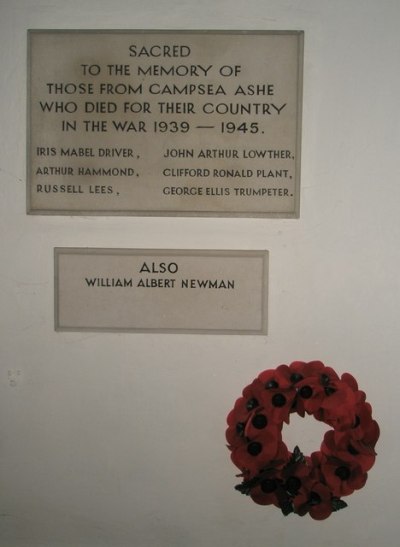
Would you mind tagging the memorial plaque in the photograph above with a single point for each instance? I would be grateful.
(202, 123)
(222, 292)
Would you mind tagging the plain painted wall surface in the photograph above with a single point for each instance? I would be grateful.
(118, 439)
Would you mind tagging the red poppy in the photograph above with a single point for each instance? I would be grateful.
(268, 484)
(258, 422)
(342, 477)
(365, 430)
(265, 493)
(339, 406)
(296, 477)
(317, 388)
(341, 445)
(298, 368)
(350, 381)
(278, 404)
(317, 501)
(257, 452)
(241, 412)
(278, 378)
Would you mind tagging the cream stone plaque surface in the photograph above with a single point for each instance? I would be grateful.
(161, 290)
(164, 122)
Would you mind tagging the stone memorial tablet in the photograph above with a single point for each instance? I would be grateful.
(141, 290)
(187, 123)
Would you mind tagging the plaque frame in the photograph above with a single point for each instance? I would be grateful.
(121, 211)
(263, 255)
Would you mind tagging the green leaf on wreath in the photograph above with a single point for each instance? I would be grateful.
(297, 456)
(287, 508)
(243, 488)
(338, 504)
(246, 486)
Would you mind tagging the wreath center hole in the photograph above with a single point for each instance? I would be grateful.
(307, 433)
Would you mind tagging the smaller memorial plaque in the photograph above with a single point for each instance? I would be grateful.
(137, 290)
(181, 123)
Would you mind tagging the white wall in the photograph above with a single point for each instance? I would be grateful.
(118, 439)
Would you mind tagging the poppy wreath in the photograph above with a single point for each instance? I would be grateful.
(272, 475)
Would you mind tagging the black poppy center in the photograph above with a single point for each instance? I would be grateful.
(306, 392)
(324, 379)
(295, 377)
(272, 384)
(352, 450)
(259, 421)
(293, 485)
(315, 499)
(278, 400)
(342, 472)
(240, 428)
(251, 404)
(254, 448)
(268, 486)
(357, 422)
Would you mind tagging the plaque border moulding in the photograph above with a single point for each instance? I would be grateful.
(38, 207)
